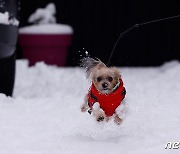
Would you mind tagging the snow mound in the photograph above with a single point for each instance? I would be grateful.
(45, 22)
(44, 114)
(44, 15)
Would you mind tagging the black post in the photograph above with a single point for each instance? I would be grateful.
(8, 39)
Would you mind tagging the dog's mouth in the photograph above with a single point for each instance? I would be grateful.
(105, 90)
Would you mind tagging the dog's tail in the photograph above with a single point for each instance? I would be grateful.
(90, 63)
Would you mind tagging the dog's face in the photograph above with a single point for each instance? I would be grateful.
(105, 79)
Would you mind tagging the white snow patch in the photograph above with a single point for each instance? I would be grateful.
(44, 15)
(47, 29)
(44, 114)
(6, 20)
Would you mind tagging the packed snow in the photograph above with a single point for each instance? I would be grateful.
(6, 19)
(44, 115)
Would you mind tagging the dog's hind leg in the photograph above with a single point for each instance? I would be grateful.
(117, 119)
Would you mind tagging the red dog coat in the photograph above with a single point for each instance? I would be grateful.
(108, 102)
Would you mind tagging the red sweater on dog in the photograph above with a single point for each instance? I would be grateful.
(108, 102)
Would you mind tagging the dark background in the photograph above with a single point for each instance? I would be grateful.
(98, 23)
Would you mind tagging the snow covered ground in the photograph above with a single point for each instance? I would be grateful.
(44, 115)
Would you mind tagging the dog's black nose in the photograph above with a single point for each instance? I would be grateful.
(104, 85)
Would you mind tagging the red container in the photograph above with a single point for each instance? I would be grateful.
(50, 48)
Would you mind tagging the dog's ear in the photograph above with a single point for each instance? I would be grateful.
(89, 64)
(116, 72)
(100, 65)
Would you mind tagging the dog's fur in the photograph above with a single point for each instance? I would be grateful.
(104, 79)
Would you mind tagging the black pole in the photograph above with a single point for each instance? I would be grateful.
(134, 27)
(8, 39)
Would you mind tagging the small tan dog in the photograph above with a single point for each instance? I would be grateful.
(106, 92)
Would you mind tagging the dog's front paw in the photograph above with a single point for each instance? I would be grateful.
(100, 118)
(117, 120)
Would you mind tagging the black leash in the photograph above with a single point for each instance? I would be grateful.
(134, 27)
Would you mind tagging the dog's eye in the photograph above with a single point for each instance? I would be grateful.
(110, 79)
(99, 79)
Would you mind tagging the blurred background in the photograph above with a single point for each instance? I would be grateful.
(97, 25)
